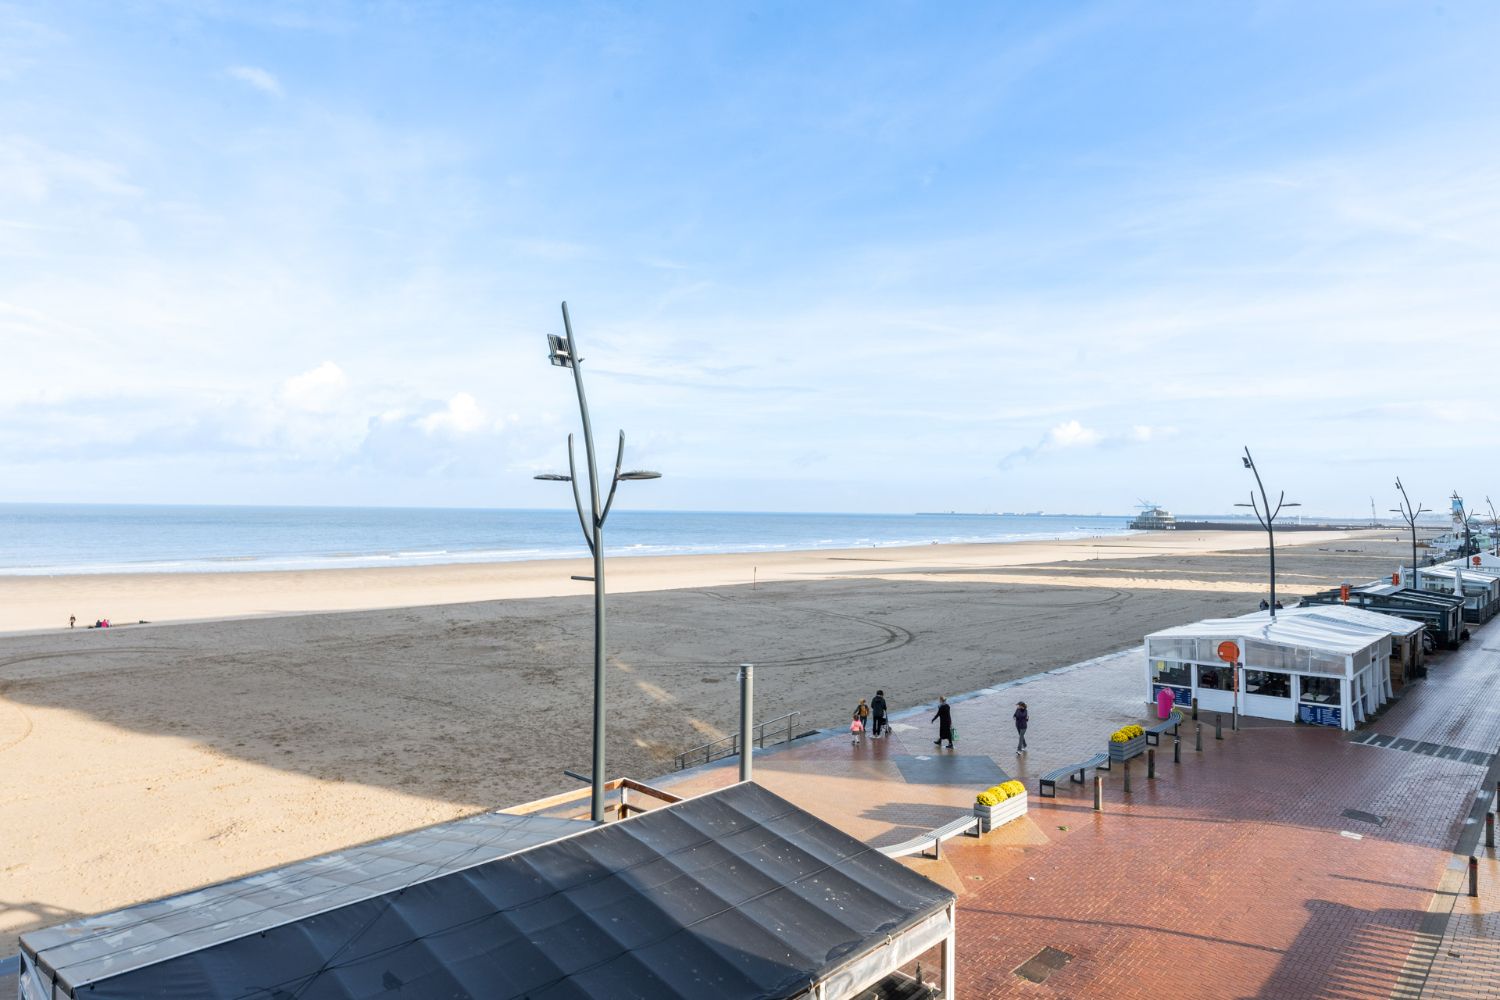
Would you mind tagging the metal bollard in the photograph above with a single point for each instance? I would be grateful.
(1195, 709)
(1198, 737)
(1098, 794)
(1127, 777)
(1218, 726)
(1473, 876)
(1150, 765)
(1489, 829)
(1176, 750)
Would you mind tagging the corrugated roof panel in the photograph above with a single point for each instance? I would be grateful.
(737, 893)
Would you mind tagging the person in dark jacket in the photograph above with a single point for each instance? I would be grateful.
(944, 719)
(877, 714)
(1022, 718)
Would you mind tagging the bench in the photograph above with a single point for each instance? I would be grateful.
(1074, 773)
(967, 825)
(1153, 733)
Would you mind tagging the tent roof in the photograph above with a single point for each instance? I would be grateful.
(736, 893)
(160, 930)
(1297, 632)
(1343, 616)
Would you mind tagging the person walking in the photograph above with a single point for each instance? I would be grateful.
(877, 714)
(944, 718)
(72, 620)
(1022, 718)
(857, 723)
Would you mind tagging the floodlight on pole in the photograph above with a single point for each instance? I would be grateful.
(1410, 514)
(563, 354)
(1267, 518)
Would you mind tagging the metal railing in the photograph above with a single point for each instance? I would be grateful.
(782, 729)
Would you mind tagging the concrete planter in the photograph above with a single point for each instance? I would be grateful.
(993, 816)
(1128, 749)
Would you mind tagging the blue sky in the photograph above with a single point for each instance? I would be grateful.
(844, 256)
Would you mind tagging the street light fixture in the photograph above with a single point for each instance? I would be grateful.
(1267, 518)
(591, 519)
(1410, 515)
(1494, 528)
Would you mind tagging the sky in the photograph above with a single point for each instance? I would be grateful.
(843, 256)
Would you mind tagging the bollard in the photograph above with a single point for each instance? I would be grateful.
(1489, 829)
(1198, 737)
(1127, 777)
(1473, 876)
(1098, 794)
(1150, 764)
(1218, 727)
(1195, 709)
(1176, 750)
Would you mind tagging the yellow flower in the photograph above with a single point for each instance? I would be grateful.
(987, 799)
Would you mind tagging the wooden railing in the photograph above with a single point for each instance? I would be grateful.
(617, 809)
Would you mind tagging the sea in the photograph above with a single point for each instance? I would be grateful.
(72, 539)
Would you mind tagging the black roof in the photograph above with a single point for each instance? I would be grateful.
(737, 893)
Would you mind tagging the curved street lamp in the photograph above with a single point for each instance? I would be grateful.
(1494, 528)
(1410, 515)
(591, 520)
(1267, 518)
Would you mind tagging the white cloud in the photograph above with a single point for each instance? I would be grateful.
(463, 416)
(262, 80)
(316, 390)
(1072, 434)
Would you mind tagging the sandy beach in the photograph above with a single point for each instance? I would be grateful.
(265, 717)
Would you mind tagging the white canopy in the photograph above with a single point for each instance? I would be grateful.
(1291, 642)
(1343, 615)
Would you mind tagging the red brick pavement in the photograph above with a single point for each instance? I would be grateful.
(1233, 874)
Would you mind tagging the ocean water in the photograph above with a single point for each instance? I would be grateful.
(66, 539)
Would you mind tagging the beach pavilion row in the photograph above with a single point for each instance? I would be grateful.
(1328, 666)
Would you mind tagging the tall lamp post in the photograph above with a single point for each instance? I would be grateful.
(1410, 515)
(1267, 518)
(591, 519)
(1461, 515)
(1494, 528)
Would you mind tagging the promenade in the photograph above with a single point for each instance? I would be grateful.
(1283, 861)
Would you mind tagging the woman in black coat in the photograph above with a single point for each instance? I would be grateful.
(944, 719)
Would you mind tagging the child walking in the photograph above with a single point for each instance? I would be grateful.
(860, 720)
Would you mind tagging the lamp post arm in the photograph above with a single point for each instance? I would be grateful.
(1256, 507)
(614, 482)
(583, 409)
(583, 524)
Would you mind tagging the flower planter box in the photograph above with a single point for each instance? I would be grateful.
(1128, 749)
(993, 816)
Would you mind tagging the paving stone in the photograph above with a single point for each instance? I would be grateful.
(1236, 873)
